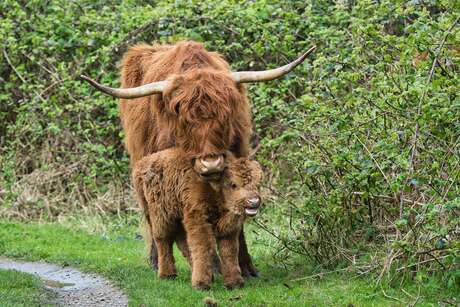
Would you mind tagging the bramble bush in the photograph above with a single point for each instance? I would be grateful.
(361, 144)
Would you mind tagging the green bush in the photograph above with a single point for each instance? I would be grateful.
(360, 144)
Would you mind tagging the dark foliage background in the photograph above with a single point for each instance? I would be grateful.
(361, 144)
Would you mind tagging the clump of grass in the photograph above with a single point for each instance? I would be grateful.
(118, 255)
(20, 289)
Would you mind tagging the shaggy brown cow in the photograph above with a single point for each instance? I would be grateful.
(171, 193)
(183, 95)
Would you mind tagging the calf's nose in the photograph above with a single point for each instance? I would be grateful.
(254, 202)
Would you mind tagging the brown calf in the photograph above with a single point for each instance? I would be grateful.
(175, 198)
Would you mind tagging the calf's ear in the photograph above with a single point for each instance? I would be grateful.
(253, 152)
(257, 172)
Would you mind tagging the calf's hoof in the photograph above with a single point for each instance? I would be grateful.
(167, 276)
(167, 272)
(234, 283)
(201, 285)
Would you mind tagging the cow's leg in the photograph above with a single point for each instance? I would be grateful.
(202, 244)
(153, 256)
(166, 266)
(228, 250)
(244, 259)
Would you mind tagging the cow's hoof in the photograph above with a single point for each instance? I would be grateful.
(153, 261)
(216, 269)
(249, 271)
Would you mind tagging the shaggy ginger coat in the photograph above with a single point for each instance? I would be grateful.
(174, 198)
(203, 111)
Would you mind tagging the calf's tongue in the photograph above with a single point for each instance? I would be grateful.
(251, 211)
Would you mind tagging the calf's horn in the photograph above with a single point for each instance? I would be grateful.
(267, 75)
(129, 93)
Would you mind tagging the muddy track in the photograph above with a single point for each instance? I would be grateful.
(72, 287)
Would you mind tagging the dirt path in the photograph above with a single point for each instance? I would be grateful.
(73, 288)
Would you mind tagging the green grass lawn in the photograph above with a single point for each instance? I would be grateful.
(115, 253)
(19, 289)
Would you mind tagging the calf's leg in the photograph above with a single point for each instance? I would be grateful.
(202, 244)
(228, 250)
(181, 242)
(166, 266)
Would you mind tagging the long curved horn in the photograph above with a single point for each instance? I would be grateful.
(267, 75)
(129, 93)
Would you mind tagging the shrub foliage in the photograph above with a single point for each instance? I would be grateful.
(361, 144)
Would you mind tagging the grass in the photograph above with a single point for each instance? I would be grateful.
(114, 252)
(20, 289)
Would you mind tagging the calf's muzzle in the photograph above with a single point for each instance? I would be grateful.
(252, 205)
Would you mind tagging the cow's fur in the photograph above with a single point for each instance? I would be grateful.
(175, 198)
(203, 111)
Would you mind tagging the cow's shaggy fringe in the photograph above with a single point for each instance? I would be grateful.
(203, 111)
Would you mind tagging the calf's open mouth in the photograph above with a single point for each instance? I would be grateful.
(251, 211)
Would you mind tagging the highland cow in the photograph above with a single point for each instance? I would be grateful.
(183, 95)
(175, 198)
